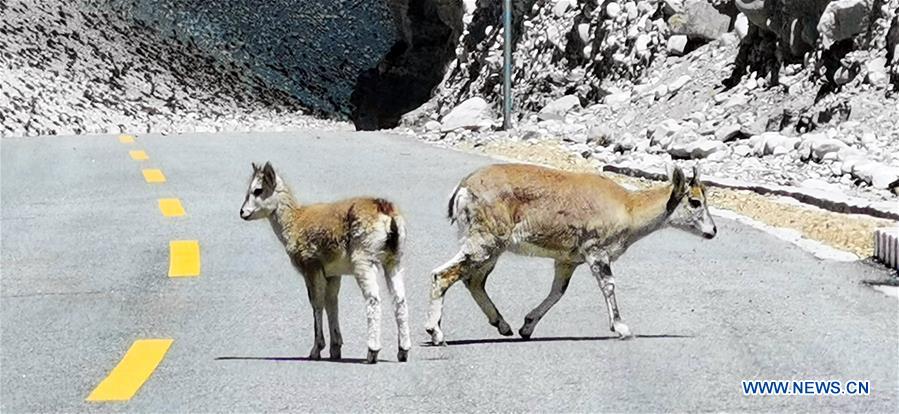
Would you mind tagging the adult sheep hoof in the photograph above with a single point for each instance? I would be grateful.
(402, 355)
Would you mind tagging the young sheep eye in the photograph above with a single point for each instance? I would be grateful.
(257, 192)
(695, 203)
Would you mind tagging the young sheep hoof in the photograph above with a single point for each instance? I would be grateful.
(315, 354)
(372, 357)
(436, 337)
(402, 355)
(334, 355)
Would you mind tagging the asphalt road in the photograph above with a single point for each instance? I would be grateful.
(84, 275)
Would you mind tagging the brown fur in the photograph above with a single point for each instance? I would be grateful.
(327, 231)
(557, 207)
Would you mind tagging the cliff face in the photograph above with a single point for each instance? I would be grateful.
(587, 48)
(370, 61)
(314, 50)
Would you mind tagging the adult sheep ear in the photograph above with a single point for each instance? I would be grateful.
(678, 187)
(255, 167)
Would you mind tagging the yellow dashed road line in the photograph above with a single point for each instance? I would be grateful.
(184, 258)
(171, 207)
(126, 139)
(134, 369)
(152, 175)
(138, 155)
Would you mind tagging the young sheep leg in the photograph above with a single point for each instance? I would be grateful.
(331, 294)
(366, 277)
(393, 273)
(315, 287)
(563, 272)
(476, 286)
(602, 270)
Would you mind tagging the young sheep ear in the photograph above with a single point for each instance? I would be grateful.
(676, 176)
(696, 180)
(255, 167)
(268, 175)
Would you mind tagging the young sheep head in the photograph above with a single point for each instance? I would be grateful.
(688, 201)
(259, 202)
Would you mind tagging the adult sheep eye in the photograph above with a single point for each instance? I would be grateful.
(257, 192)
(695, 203)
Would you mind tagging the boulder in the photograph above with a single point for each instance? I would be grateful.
(677, 44)
(729, 132)
(842, 19)
(617, 99)
(754, 10)
(699, 20)
(817, 147)
(879, 175)
(678, 83)
(663, 133)
(877, 75)
(561, 106)
(741, 25)
(772, 143)
(470, 114)
(697, 149)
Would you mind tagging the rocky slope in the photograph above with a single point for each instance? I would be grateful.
(74, 67)
(798, 93)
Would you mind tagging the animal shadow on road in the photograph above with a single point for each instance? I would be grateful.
(549, 339)
(295, 359)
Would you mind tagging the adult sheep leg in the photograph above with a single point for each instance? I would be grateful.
(563, 272)
(476, 284)
(602, 270)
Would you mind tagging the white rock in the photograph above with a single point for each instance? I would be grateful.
(817, 146)
(617, 99)
(432, 125)
(742, 150)
(583, 30)
(641, 45)
(561, 7)
(613, 9)
(741, 25)
(468, 114)
(678, 83)
(677, 44)
(727, 133)
(562, 105)
(696, 149)
(660, 91)
(876, 71)
(663, 133)
(840, 20)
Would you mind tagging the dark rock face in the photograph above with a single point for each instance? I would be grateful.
(406, 76)
(367, 60)
(313, 50)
